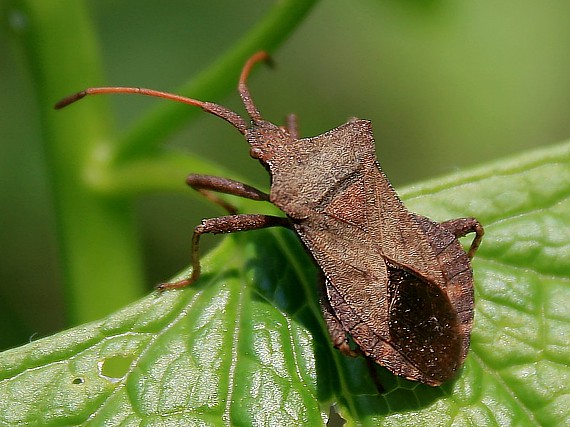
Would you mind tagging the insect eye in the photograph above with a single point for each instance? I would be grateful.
(256, 152)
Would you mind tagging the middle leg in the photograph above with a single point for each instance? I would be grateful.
(224, 224)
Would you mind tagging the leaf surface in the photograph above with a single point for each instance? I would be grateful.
(246, 344)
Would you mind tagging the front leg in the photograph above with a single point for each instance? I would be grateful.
(207, 184)
(224, 224)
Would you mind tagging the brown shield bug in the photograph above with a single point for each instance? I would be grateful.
(398, 283)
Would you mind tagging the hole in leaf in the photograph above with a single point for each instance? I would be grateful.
(335, 420)
(78, 380)
(115, 368)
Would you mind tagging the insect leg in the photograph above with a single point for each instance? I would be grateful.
(337, 333)
(207, 184)
(339, 336)
(292, 127)
(224, 224)
(461, 227)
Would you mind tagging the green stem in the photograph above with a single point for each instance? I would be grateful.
(98, 244)
(97, 236)
(215, 81)
(165, 171)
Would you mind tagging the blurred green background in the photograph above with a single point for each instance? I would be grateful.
(446, 85)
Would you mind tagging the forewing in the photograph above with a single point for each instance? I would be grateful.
(356, 281)
(384, 280)
(400, 319)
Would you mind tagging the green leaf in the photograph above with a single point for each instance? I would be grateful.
(246, 345)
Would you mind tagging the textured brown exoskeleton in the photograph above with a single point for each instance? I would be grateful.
(398, 283)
